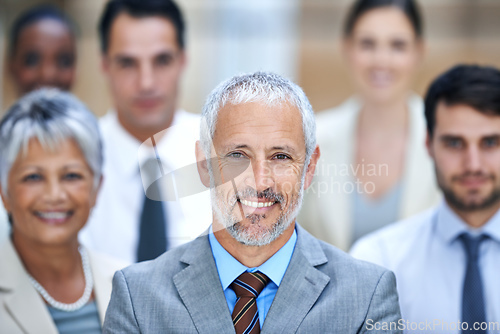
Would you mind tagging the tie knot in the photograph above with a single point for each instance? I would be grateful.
(249, 285)
(471, 244)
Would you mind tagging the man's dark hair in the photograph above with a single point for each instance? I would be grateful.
(139, 9)
(472, 85)
(34, 15)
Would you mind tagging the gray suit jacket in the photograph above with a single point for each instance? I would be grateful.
(323, 291)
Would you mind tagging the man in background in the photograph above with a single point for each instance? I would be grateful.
(446, 259)
(143, 58)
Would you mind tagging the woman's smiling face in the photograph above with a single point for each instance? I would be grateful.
(383, 52)
(50, 193)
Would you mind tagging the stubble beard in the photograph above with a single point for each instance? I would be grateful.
(256, 234)
(460, 203)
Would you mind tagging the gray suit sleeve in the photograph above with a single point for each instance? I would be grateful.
(383, 313)
(120, 315)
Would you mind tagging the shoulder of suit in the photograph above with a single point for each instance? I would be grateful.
(334, 262)
(340, 117)
(107, 119)
(187, 119)
(11, 268)
(105, 263)
(416, 103)
(347, 267)
(167, 264)
(393, 237)
(185, 115)
(340, 113)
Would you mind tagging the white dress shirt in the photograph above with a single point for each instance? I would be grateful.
(430, 261)
(113, 226)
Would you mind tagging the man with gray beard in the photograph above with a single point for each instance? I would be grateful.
(257, 269)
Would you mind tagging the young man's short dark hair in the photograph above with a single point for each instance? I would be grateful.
(472, 85)
(140, 8)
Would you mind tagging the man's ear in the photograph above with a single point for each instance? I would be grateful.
(105, 63)
(312, 167)
(202, 164)
(428, 145)
(183, 59)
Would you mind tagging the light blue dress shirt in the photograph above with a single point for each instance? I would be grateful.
(430, 261)
(229, 269)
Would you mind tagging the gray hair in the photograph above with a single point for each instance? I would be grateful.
(268, 88)
(50, 116)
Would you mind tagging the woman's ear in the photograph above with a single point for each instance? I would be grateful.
(5, 202)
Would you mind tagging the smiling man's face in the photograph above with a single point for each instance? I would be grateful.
(259, 171)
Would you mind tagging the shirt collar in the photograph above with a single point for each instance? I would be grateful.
(449, 225)
(127, 151)
(122, 146)
(229, 268)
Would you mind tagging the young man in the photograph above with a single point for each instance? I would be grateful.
(143, 58)
(256, 269)
(446, 259)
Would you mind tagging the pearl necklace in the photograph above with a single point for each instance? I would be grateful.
(89, 285)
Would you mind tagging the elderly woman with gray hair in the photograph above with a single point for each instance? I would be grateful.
(50, 173)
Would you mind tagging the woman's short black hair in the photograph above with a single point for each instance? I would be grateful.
(33, 15)
(408, 7)
(472, 85)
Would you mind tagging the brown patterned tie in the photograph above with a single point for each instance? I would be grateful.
(245, 314)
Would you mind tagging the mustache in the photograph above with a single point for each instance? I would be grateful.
(268, 194)
(478, 175)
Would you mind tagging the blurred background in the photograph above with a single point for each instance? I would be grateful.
(296, 38)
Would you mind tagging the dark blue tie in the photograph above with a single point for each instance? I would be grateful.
(152, 231)
(473, 296)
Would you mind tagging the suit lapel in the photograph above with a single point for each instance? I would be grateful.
(21, 299)
(300, 288)
(200, 289)
(29, 311)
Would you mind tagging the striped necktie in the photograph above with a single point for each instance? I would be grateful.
(473, 309)
(245, 314)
